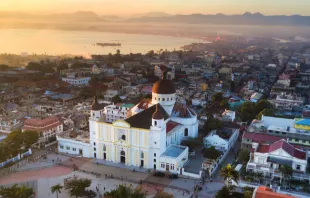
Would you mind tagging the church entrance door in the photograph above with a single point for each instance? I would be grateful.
(123, 157)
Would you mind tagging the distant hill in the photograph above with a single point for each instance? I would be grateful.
(151, 14)
(244, 19)
(82, 16)
(112, 18)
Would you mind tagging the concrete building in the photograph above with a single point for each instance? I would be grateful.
(116, 112)
(223, 139)
(48, 128)
(288, 102)
(77, 81)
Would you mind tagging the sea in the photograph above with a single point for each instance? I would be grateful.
(58, 42)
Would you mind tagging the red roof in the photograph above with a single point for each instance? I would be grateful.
(41, 125)
(263, 149)
(290, 149)
(171, 125)
(265, 192)
(260, 138)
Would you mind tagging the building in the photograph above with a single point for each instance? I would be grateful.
(159, 70)
(48, 128)
(255, 97)
(228, 116)
(288, 102)
(149, 137)
(267, 159)
(296, 131)
(264, 192)
(223, 139)
(116, 112)
(77, 81)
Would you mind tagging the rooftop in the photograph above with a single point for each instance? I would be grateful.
(265, 192)
(174, 151)
(81, 136)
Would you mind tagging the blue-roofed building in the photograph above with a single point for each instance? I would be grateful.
(175, 155)
(303, 124)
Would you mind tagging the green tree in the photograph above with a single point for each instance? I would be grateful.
(191, 143)
(229, 174)
(163, 194)
(248, 192)
(124, 191)
(247, 111)
(16, 192)
(116, 99)
(224, 104)
(211, 153)
(265, 112)
(223, 193)
(29, 138)
(243, 156)
(212, 124)
(77, 187)
(286, 172)
(261, 105)
(3, 67)
(218, 97)
(62, 66)
(56, 189)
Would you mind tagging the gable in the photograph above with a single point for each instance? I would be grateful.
(280, 152)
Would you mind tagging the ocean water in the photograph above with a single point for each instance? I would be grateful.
(56, 42)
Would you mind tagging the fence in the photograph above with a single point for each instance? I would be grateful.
(193, 175)
(16, 158)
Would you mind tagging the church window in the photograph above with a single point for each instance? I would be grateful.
(167, 99)
(158, 99)
(155, 123)
(186, 132)
(172, 166)
(94, 143)
(123, 137)
(94, 114)
(162, 165)
(142, 155)
(154, 154)
(163, 99)
(104, 148)
(154, 160)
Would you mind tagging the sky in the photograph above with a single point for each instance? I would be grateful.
(131, 7)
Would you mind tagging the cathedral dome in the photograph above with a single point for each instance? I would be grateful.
(163, 86)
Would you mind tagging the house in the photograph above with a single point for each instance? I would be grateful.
(77, 81)
(47, 128)
(228, 115)
(223, 139)
(267, 159)
(255, 97)
(113, 112)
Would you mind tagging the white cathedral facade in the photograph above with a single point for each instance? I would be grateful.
(150, 137)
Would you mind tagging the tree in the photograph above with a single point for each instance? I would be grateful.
(224, 104)
(261, 105)
(218, 97)
(211, 153)
(62, 66)
(248, 192)
(212, 124)
(223, 193)
(247, 111)
(56, 188)
(243, 156)
(163, 194)
(3, 67)
(229, 174)
(29, 138)
(265, 112)
(16, 192)
(286, 172)
(150, 53)
(77, 187)
(191, 143)
(124, 191)
(116, 99)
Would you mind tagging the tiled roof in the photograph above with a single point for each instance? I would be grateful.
(144, 104)
(260, 138)
(290, 149)
(263, 149)
(182, 111)
(264, 192)
(143, 119)
(171, 125)
(41, 125)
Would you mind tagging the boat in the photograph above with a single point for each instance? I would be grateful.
(108, 44)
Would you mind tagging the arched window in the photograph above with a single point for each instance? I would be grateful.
(186, 132)
(122, 153)
(155, 122)
(104, 148)
(142, 155)
(123, 137)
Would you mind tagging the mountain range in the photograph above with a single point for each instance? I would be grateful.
(162, 17)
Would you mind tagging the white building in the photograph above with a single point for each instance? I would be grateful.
(77, 81)
(268, 158)
(48, 128)
(222, 140)
(116, 112)
(228, 115)
(150, 137)
(255, 97)
(109, 94)
(288, 102)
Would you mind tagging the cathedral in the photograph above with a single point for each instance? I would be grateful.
(151, 135)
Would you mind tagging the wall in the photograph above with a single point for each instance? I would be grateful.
(16, 158)
(193, 175)
(73, 144)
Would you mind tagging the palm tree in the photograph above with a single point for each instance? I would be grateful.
(124, 191)
(229, 174)
(56, 188)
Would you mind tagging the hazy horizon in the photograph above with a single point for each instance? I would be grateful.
(133, 7)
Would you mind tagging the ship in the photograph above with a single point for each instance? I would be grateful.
(108, 44)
